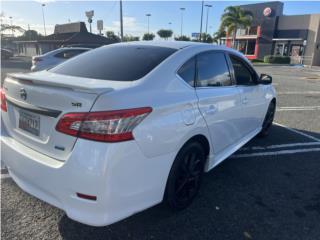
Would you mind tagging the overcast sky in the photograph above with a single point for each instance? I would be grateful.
(26, 13)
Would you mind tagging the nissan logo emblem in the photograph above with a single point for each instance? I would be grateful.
(23, 94)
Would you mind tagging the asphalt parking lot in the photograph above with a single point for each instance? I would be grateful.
(269, 189)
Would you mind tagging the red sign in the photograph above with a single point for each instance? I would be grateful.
(267, 12)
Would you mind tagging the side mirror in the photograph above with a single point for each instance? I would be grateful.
(265, 79)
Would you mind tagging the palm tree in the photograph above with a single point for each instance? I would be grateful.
(233, 18)
(218, 35)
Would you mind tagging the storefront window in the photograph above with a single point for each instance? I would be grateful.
(285, 50)
(253, 30)
(241, 32)
(296, 50)
(247, 47)
(279, 49)
(242, 45)
(251, 47)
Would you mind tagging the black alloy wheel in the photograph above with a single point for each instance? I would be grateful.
(268, 120)
(185, 176)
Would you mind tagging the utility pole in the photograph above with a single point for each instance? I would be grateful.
(201, 21)
(148, 16)
(121, 21)
(44, 22)
(208, 7)
(182, 9)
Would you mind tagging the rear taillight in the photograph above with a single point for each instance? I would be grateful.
(36, 59)
(3, 100)
(110, 126)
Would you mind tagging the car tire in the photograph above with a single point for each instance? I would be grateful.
(185, 176)
(268, 120)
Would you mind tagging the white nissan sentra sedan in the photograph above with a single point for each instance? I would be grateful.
(121, 128)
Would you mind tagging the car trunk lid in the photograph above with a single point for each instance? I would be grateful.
(36, 102)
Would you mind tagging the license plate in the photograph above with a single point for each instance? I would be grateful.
(29, 122)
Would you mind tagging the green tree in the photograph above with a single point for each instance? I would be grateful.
(234, 18)
(182, 38)
(129, 38)
(206, 38)
(30, 35)
(218, 35)
(148, 36)
(110, 35)
(165, 33)
(13, 28)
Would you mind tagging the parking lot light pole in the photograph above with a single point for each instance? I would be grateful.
(11, 25)
(208, 7)
(44, 22)
(121, 21)
(148, 16)
(201, 20)
(182, 9)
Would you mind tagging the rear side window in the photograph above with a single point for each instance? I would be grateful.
(213, 70)
(69, 53)
(188, 71)
(118, 63)
(242, 73)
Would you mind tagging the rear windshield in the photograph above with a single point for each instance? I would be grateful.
(119, 63)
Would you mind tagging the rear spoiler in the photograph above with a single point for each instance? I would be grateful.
(87, 85)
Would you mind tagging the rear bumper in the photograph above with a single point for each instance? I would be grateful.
(122, 178)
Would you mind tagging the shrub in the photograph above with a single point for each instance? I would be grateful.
(277, 59)
(182, 38)
(257, 61)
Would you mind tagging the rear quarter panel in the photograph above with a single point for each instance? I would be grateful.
(175, 117)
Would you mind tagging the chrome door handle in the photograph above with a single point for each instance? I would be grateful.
(211, 110)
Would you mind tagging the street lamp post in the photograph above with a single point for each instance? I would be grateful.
(11, 25)
(44, 22)
(182, 9)
(201, 20)
(121, 21)
(148, 16)
(208, 7)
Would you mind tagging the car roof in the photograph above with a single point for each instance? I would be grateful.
(75, 48)
(172, 44)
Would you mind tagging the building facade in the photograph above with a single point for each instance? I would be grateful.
(272, 33)
(70, 34)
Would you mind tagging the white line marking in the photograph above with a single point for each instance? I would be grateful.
(4, 176)
(298, 132)
(282, 110)
(282, 152)
(299, 93)
(279, 146)
(301, 108)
